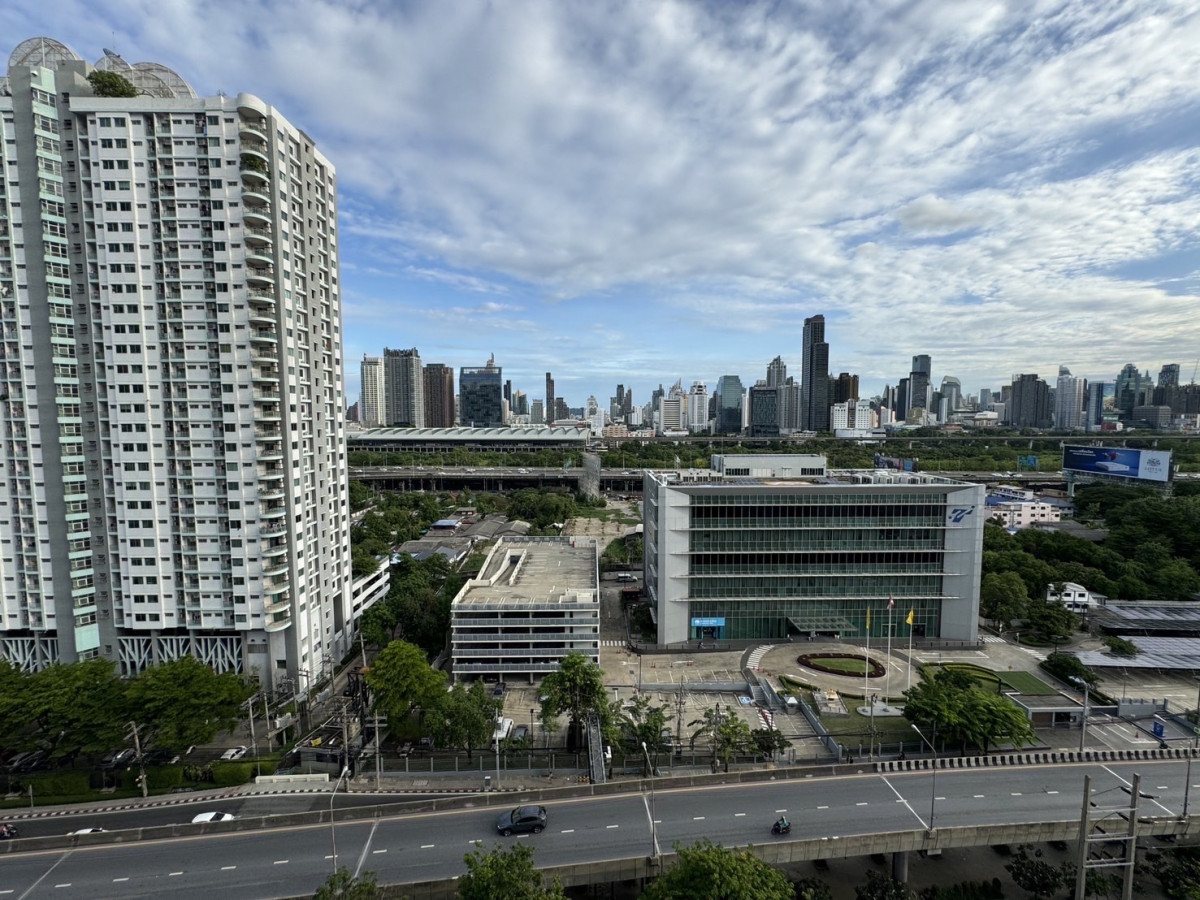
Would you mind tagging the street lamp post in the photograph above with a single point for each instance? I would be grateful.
(1075, 679)
(1187, 785)
(933, 787)
(650, 808)
(332, 829)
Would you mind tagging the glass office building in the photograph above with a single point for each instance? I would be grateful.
(777, 548)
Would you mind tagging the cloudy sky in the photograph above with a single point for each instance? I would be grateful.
(641, 192)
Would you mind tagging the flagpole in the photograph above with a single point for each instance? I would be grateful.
(887, 679)
(908, 683)
(867, 667)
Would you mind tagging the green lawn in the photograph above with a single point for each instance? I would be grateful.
(844, 665)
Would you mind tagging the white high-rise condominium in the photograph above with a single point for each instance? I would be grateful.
(373, 409)
(172, 416)
(1069, 396)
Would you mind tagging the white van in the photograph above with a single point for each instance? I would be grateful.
(504, 727)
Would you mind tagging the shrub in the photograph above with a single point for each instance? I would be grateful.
(58, 784)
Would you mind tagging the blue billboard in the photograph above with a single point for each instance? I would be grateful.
(1121, 462)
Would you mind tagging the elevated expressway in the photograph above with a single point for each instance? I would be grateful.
(610, 832)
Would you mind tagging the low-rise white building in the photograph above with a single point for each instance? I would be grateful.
(1024, 513)
(535, 600)
(1074, 597)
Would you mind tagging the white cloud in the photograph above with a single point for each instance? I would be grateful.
(929, 174)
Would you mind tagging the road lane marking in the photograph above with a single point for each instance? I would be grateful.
(227, 868)
(280, 862)
(738, 815)
(697, 818)
(423, 846)
(1162, 787)
(1051, 792)
(1016, 794)
(612, 826)
(860, 804)
(115, 880)
(568, 831)
(173, 874)
(68, 884)
(822, 807)
(781, 810)
(978, 796)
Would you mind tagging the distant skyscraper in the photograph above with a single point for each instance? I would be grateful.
(842, 388)
(481, 396)
(537, 412)
(814, 386)
(551, 408)
(404, 388)
(776, 372)
(951, 391)
(439, 395)
(919, 384)
(698, 407)
(728, 396)
(1069, 401)
(985, 398)
(1168, 375)
(1030, 406)
(372, 392)
(764, 411)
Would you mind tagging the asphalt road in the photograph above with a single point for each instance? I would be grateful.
(242, 806)
(294, 861)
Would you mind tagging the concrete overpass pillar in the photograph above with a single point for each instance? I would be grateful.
(900, 867)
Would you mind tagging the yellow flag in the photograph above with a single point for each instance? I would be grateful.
(909, 620)
(868, 618)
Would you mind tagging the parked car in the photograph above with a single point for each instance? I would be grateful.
(160, 758)
(520, 733)
(212, 817)
(92, 830)
(234, 753)
(29, 761)
(626, 576)
(522, 819)
(117, 759)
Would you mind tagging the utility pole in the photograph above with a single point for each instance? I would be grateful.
(137, 750)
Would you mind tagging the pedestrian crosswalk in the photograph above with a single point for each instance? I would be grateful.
(757, 654)
(612, 643)
(993, 639)
(1039, 655)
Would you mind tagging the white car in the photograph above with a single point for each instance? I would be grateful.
(213, 817)
(234, 753)
(92, 830)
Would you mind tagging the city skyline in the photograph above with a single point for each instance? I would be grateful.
(643, 194)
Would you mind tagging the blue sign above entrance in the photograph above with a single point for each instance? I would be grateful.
(708, 623)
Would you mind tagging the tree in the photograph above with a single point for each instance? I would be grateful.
(14, 685)
(464, 717)
(1064, 667)
(505, 874)
(964, 714)
(768, 741)
(812, 889)
(1002, 597)
(342, 885)
(1033, 874)
(576, 688)
(707, 871)
(78, 707)
(360, 495)
(111, 84)
(401, 679)
(727, 734)
(184, 702)
(883, 887)
(641, 722)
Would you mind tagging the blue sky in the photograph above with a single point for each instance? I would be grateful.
(651, 191)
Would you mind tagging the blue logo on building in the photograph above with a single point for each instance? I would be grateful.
(958, 513)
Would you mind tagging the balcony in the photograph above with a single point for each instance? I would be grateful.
(257, 213)
(271, 550)
(258, 236)
(261, 295)
(278, 622)
(275, 510)
(276, 567)
(255, 173)
(266, 374)
(270, 451)
(257, 258)
(272, 529)
(264, 275)
(254, 199)
(252, 130)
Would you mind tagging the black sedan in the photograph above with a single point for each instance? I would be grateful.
(522, 819)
